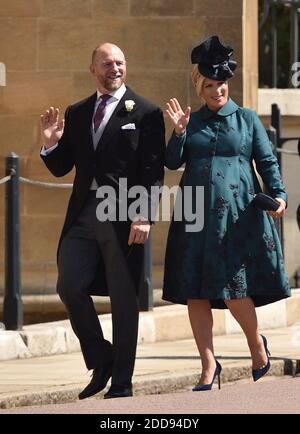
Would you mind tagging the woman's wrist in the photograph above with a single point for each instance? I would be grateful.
(179, 133)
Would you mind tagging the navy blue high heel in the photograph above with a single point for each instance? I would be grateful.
(199, 387)
(260, 372)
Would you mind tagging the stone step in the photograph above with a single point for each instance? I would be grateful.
(48, 307)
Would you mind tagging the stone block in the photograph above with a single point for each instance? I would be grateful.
(66, 44)
(18, 45)
(44, 342)
(145, 8)
(152, 85)
(2, 74)
(112, 8)
(159, 241)
(106, 324)
(167, 319)
(39, 237)
(40, 90)
(51, 278)
(45, 201)
(33, 277)
(83, 85)
(20, 8)
(65, 8)
(146, 328)
(219, 8)
(12, 346)
(219, 322)
(72, 342)
(272, 315)
(149, 44)
(18, 134)
(293, 308)
(231, 325)
(250, 55)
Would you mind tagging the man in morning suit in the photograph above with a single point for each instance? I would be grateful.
(113, 134)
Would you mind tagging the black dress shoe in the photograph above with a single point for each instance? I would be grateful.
(98, 382)
(118, 392)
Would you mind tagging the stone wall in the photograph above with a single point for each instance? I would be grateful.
(46, 46)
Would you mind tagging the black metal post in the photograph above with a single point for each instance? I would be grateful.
(12, 307)
(146, 290)
(272, 133)
(274, 46)
(276, 123)
(294, 37)
(296, 279)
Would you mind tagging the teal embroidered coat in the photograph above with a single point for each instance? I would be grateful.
(238, 253)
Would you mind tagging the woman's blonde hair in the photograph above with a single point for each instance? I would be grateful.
(197, 80)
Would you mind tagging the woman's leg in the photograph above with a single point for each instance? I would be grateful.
(202, 323)
(243, 311)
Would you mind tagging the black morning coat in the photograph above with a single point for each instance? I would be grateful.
(135, 154)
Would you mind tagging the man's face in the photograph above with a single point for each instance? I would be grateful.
(109, 68)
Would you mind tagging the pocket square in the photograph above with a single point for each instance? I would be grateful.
(128, 127)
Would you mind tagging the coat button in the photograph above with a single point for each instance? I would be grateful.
(214, 139)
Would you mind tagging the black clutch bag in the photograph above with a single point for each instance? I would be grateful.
(265, 202)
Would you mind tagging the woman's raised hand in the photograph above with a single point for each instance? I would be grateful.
(52, 127)
(177, 116)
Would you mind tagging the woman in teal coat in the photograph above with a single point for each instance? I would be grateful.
(235, 261)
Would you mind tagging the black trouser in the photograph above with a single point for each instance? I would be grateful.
(79, 256)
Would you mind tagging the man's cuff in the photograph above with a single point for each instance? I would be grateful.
(45, 152)
(140, 218)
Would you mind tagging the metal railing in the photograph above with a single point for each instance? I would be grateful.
(278, 41)
(278, 142)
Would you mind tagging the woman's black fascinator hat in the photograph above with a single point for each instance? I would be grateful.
(213, 59)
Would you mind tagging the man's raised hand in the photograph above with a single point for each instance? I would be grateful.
(52, 127)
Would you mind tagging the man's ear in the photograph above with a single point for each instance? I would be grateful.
(92, 69)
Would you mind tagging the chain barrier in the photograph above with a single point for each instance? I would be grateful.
(36, 183)
(69, 186)
(287, 151)
(5, 179)
(44, 184)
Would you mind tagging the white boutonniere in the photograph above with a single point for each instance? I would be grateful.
(129, 105)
